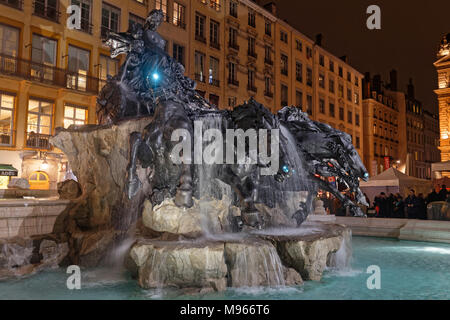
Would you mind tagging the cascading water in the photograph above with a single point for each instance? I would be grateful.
(341, 259)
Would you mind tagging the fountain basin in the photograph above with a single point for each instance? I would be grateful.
(272, 257)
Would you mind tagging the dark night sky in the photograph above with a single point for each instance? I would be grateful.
(408, 39)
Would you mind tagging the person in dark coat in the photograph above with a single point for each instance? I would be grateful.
(443, 193)
(381, 202)
(432, 196)
(390, 204)
(399, 208)
(412, 205)
(422, 207)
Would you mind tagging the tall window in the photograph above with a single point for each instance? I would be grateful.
(322, 106)
(283, 36)
(331, 85)
(214, 71)
(251, 18)
(9, 45)
(200, 27)
(298, 71)
(251, 47)
(349, 116)
(110, 19)
(268, 28)
(298, 45)
(309, 105)
(232, 73)
(179, 15)
(284, 95)
(43, 53)
(6, 118)
(309, 76)
(74, 115)
(322, 81)
(340, 91)
(215, 4)
(322, 60)
(233, 9)
(107, 67)
(341, 113)
(199, 66)
(162, 5)
(251, 80)
(357, 119)
(299, 99)
(268, 54)
(39, 123)
(233, 38)
(284, 64)
(214, 29)
(178, 53)
(134, 19)
(356, 98)
(331, 66)
(331, 110)
(267, 86)
(47, 9)
(349, 94)
(78, 64)
(86, 14)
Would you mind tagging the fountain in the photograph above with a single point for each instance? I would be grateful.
(230, 215)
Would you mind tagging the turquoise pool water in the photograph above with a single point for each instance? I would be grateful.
(409, 270)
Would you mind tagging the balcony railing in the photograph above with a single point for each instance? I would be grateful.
(38, 141)
(234, 46)
(105, 32)
(214, 82)
(199, 77)
(252, 54)
(268, 61)
(18, 4)
(233, 82)
(179, 23)
(268, 94)
(252, 88)
(30, 70)
(86, 25)
(214, 45)
(200, 38)
(6, 137)
(46, 11)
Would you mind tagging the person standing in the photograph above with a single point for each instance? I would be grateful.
(411, 205)
(432, 196)
(421, 207)
(399, 208)
(443, 193)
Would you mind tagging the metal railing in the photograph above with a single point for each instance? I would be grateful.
(6, 137)
(18, 4)
(34, 71)
(252, 54)
(214, 82)
(179, 23)
(199, 77)
(268, 61)
(233, 45)
(251, 87)
(268, 94)
(233, 82)
(46, 11)
(38, 141)
(214, 45)
(200, 38)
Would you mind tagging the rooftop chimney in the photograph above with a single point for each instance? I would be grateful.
(376, 86)
(271, 7)
(319, 38)
(393, 80)
(410, 89)
(344, 58)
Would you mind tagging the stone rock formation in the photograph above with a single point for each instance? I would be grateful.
(19, 183)
(69, 189)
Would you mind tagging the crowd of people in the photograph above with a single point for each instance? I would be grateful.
(413, 207)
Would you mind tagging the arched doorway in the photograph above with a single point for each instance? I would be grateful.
(39, 181)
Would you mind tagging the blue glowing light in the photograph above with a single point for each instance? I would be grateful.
(155, 76)
(366, 175)
(285, 169)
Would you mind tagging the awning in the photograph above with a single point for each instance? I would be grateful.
(8, 170)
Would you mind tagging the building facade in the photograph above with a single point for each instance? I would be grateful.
(50, 74)
(381, 122)
(443, 94)
(399, 132)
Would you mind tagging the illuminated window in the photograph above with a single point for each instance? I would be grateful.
(74, 115)
(110, 19)
(78, 64)
(162, 5)
(39, 123)
(6, 118)
(179, 13)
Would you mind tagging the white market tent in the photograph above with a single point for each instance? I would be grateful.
(394, 181)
